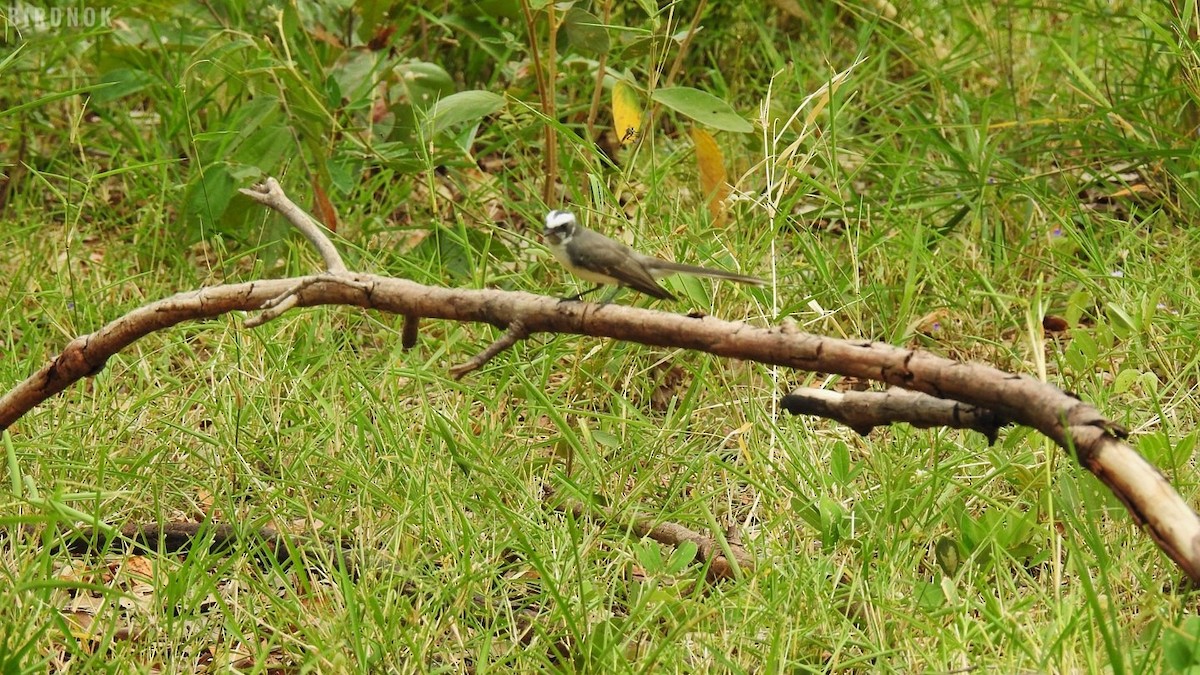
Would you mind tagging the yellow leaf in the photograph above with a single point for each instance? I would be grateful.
(712, 173)
(627, 112)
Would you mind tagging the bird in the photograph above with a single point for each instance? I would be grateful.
(593, 257)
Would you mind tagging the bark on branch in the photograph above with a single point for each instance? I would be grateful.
(862, 411)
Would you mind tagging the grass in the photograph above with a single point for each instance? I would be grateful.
(946, 198)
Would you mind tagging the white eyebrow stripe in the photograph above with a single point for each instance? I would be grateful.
(559, 218)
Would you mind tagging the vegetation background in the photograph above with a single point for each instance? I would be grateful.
(1008, 182)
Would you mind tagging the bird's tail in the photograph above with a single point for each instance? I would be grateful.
(664, 267)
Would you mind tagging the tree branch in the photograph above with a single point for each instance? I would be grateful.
(270, 193)
(862, 411)
(1072, 424)
(516, 331)
(1075, 426)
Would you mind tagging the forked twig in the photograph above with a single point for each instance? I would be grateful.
(270, 193)
(516, 331)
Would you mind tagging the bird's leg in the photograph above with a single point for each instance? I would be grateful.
(579, 296)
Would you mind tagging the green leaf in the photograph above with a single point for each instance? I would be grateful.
(356, 74)
(122, 82)
(606, 439)
(703, 107)
(11, 58)
(1183, 450)
(839, 463)
(929, 596)
(649, 7)
(465, 106)
(56, 96)
(206, 201)
(948, 555)
(691, 287)
(1082, 351)
(218, 144)
(972, 533)
(1078, 305)
(585, 32)
(345, 171)
(14, 466)
(682, 557)
(650, 557)
(458, 252)
(267, 148)
(1122, 321)
(808, 512)
(1125, 380)
(832, 515)
(423, 83)
(399, 156)
(1181, 645)
(635, 48)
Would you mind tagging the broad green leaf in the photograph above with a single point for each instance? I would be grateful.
(465, 106)
(267, 148)
(808, 512)
(1125, 380)
(650, 557)
(704, 108)
(422, 83)
(606, 439)
(585, 32)
(356, 73)
(206, 201)
(971, 532)
(344, 171)
(636, 48)
(1122, 321)
(458, 252)
(929, 596)
(682, 557)
(1181, 645)
(244, 123)
(690, 287)
(399, 156)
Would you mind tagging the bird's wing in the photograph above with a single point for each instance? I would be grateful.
(622, 263)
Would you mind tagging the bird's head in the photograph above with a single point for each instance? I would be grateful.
(560, 227)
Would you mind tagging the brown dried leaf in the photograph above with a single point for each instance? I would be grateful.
(669, 383)
(323, 207)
